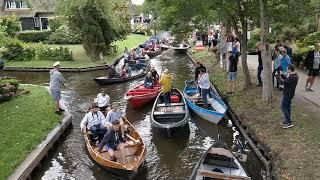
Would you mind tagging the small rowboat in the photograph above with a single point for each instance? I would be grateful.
(134, 154)
(105, 80)
(217, 108)
(181, 49)
(164, 47)
(152, 54)
(170, 116)
(219, 163)
(139, 96)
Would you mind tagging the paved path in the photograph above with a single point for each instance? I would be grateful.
(313, 97)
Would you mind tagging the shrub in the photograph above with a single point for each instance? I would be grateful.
(8, 88)
(54, 54)
(34, 36)
(11, 24)
(141, 29)
(13, 50)
(312, 39)
(29, 53)
(57, 22)
(299, 55)
(64, 35)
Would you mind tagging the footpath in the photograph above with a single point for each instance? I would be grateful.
(313, 97)
(294, 152)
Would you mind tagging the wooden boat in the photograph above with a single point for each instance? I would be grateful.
(170, 116)
(152, 54)
(105, 80)
(219, 163)
(217, 108)
(139, 95)
(134, 154)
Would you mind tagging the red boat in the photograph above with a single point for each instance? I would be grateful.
(140, 95)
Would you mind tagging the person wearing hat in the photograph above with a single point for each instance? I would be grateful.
(103, 100)
(166, 86)
(204, 85)
(56, 82)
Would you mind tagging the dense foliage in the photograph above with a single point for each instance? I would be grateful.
(98, 22)
(8, 88)
(64, 35)
(34, 36)
(10, 25)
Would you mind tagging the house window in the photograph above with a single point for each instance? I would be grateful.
(16, 5)
(44, 23)
(36, 21)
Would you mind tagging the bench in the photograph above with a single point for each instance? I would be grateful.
(217, 175)
(169, 105)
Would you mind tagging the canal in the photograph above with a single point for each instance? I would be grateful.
(168, 158)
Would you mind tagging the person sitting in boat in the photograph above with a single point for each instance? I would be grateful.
(204, 85)
(138, 52)
(93, 121)
(166, 86)
(146, 56)
(113, 115)
(154, 74)
(148, 81)
(103, 101)
(123, 72)
(113, 141)
(128, 70)
(132, 55)
(112, 72)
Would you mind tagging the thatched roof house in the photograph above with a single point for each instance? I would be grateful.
(33, 14)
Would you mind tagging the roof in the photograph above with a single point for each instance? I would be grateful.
(36, 6)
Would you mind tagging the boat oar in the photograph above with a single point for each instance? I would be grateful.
(133, 139)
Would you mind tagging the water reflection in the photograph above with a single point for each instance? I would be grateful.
(172, 158)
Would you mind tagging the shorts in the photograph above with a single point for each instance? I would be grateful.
(313, 72)
(56, 95)
(232, 76)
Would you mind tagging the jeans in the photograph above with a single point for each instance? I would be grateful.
(199, 90)
(204, 93)
(286, 109)
(260, 68)
(167, 98)
(98, 131)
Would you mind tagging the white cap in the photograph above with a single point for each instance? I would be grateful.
(166, 71)
(56, 64)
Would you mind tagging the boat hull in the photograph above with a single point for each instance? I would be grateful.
(152, 54)
(107, 81)
(140, 96)
(209, 115)
(137, 102)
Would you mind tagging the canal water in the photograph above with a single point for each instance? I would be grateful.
(167, 158)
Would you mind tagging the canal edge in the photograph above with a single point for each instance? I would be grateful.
(24, 170)
(44, 69)
(258, 149)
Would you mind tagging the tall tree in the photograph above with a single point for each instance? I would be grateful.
(267, 90)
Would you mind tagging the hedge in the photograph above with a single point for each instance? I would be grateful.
(299, 56)
(15, 50)
(8, 88)
(34, 36)
(64, 35)
(312, 39)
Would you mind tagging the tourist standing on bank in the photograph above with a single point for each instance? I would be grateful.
(56, 82)
(312, 63)
(229, 42)
(236, 48)
(276, 67)
(204, 85)
(232, 76)
(285, 61)
(260, 66)
(290, 84)
(210, 39)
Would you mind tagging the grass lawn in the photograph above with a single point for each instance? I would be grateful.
(81, 59)
(295, 152)
(24, 122)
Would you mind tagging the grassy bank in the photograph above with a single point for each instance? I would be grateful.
(294, 152)
(80, 57)
(24, 122)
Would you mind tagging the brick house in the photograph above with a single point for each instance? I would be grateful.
(33, 14)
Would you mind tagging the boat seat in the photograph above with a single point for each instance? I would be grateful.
(169, 113)
(217, 175)
(172, 104)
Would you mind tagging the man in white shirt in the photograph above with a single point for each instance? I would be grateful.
(204, 84)
(93, 121)
(103, 100)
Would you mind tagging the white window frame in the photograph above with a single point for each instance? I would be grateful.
(23, 5)
(12, 5)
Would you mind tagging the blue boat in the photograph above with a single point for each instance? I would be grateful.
(217, 108)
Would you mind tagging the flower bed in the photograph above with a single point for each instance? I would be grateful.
(8, 88)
